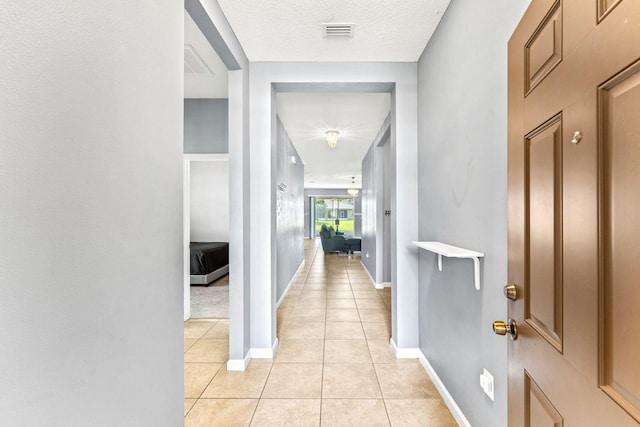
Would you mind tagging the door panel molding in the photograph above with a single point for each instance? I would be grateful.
(543, 207)
(543, 51)
(605, 7)
(540, 412)
(618, 124)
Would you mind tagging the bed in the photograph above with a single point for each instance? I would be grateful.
(209, 261)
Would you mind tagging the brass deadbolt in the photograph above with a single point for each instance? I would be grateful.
(511, 292)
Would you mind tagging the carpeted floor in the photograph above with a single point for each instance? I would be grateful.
(211, 302)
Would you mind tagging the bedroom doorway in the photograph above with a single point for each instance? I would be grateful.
(206, 171)
(208, 245)
(228, 82)
(206, 231)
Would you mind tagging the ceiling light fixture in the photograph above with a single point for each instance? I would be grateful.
(353, 191)
(332, 138)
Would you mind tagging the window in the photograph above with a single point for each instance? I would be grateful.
(336, 213)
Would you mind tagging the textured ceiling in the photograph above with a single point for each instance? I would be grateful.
(288, 30)
(357, 116)
(210, 84)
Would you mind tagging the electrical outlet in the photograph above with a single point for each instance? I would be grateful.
(486, 382)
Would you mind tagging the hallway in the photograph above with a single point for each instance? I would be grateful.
(333, 367)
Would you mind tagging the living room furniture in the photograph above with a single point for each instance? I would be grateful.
(353, 244)
(333, 242)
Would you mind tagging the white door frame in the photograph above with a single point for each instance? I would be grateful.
(186, 209)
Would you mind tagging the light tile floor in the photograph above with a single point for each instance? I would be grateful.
(333, 367)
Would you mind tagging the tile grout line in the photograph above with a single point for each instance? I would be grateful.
(324, 346)
(384, 401)
(374, 365)
(260, 398)
(261, 394)
(183, 362)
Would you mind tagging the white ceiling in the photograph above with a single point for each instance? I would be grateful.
(357, 116)
(286, 30)
(212, 82)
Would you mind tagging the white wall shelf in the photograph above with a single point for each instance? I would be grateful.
(441, 249)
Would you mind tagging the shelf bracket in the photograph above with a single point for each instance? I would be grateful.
(443, 249)
(476, 271)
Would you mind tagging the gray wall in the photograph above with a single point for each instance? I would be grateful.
(384, 204)
(206, 126)
(290, 218)
(91, 214)
(462, 108)
(368, 198)
(333, 192)
(376, 197)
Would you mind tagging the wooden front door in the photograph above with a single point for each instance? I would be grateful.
(574, 214)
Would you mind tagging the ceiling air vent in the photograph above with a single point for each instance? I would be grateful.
(193, 62)
(337, 30)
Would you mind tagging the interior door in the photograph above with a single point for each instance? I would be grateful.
(574, 214)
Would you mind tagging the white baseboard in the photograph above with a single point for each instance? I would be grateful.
(383, 285)
(239, 364)
(375, 285)
(416, 353)
(286, 291)
(448, 399)
(369, 274)
(404, 353)
(264, 353)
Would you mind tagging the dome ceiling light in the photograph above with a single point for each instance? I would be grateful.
(332, 138)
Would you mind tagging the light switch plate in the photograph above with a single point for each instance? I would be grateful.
(486, 382)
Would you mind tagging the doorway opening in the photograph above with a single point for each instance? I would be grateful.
(336, 173)
(206, 177)
(208, 223)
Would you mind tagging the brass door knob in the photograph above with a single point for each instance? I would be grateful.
(501, 328)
